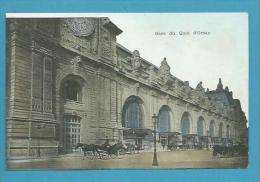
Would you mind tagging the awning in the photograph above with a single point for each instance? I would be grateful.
(190, 135)
(137, 131)
(168, 134)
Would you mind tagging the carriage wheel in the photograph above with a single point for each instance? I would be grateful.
(113, 156)
(121, 152)
(104, 155)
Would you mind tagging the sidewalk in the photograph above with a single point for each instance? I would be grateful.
(43, 158)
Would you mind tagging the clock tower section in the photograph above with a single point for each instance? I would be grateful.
(94, 38)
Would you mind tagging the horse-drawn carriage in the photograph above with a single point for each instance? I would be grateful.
(188, 141)
(104, 151)
(230, 150)
(174, 141)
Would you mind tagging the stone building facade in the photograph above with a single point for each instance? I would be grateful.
(69, 81)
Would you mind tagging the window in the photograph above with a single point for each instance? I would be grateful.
(185, 124)
(200, 128)
(132, 114)
(228, 131)
(164, 119)
(220, 130)
(72, 91)
(212, 128)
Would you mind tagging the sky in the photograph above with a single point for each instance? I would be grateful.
(220, 53)
(223, 53)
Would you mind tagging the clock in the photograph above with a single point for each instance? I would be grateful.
(81, 27)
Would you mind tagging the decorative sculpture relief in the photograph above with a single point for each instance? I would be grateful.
(199, 94)
(135, 61)
(81, 27)
(186, 90)
(136, 88)
(106, 45)
(75, 63)
(200, 87)
(72, 36)
(164, 75)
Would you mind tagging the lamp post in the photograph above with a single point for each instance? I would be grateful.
(207, 139)
(155, 123)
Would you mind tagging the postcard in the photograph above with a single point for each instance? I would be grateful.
(127, 91)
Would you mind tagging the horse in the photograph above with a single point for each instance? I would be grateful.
(86, 148)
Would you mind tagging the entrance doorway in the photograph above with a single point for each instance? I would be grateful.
(72, 134)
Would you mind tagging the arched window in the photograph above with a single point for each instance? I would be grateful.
(185, 124)
(72, 91)
(212, 129)
(164, 119)
(228, 131)
(132, 113)
(200, 127)
(220, 130)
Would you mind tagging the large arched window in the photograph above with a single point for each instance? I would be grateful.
(200, 126)
(132, 113)
(185, 124)
(220, 130)
(164, 119)
(228, 131)
(72, 90)
(212, 128)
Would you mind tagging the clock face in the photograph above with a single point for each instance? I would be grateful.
(81, 26)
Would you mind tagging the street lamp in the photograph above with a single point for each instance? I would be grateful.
(207, 139)
(155, 123)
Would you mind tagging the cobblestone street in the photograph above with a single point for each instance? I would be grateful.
(167, 160)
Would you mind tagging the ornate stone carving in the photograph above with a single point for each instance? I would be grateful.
(164, 68)
(38, 47)
(186, 90)
(199, 94)
(220, 85)
(135, 62)
(188, 106)
(164, 75)
(75, 63)
(106, 45)
(200, 87)
(84, 44)
(136, 88)
(81, 27)
(167, 97)
(47, 107)
(120, 63)
(37, 104)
